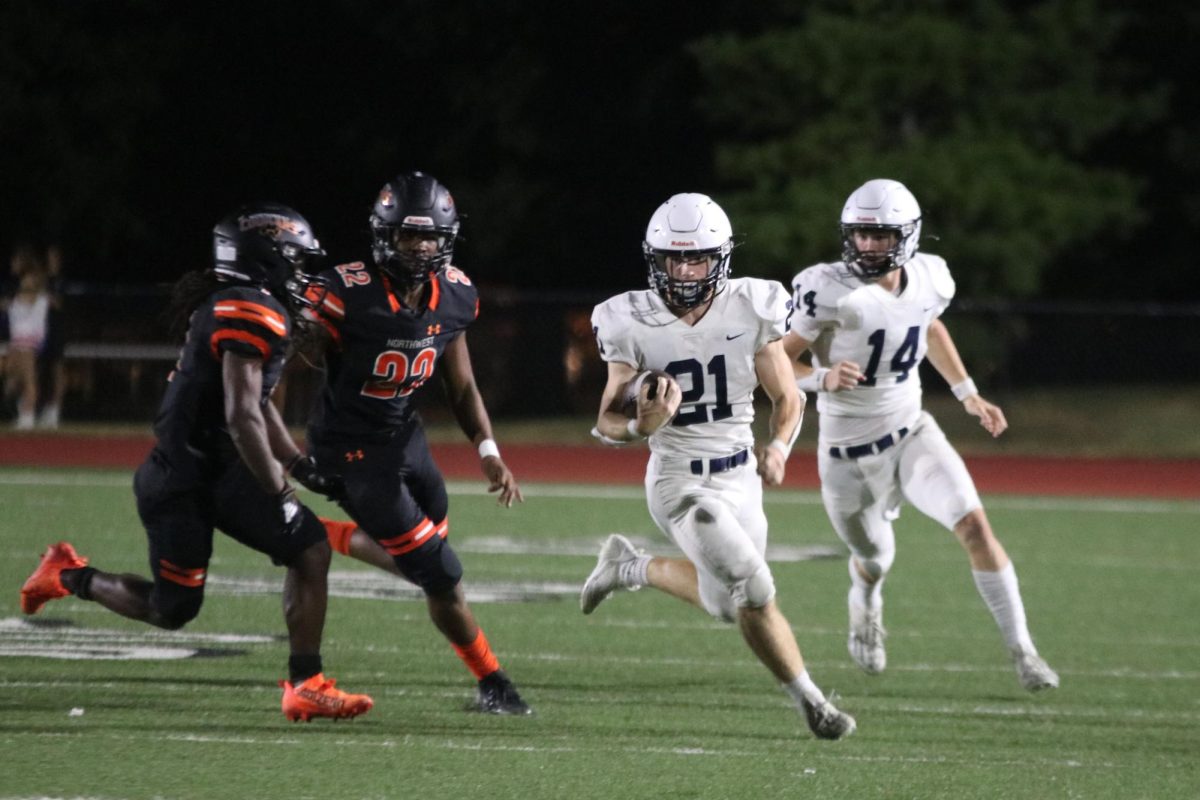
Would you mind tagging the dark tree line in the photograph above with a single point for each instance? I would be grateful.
(1049, 142)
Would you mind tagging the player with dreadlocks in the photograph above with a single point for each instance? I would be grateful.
(222, 458)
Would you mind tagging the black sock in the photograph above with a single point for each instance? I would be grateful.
(303, 667)
(78, 581)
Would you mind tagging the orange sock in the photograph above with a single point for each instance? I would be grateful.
(478, 656)
(339, 534)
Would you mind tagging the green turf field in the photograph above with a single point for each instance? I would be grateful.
(647, 698)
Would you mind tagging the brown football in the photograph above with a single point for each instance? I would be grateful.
(629, 394)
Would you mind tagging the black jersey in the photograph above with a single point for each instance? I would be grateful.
(381, 352)
(245, 320)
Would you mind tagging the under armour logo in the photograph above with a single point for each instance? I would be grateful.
(433, 330)
(354, 455)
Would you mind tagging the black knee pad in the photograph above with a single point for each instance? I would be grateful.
(434, 567)
(176, 607)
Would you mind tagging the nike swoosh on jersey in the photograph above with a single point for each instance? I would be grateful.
(729, 338)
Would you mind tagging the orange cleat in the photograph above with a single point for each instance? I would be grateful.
(317, 697)
(45, 584)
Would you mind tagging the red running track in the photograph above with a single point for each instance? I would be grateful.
(1027, 475)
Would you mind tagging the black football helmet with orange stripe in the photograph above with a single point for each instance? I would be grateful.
(413, 203)
(268, 245)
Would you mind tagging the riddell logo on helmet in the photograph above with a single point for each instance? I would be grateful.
(411, 220)
(675, 243)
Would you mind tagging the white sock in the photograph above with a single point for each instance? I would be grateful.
(632, 574)
(803, 688)
(1003, 597)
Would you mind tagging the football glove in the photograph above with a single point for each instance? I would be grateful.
(290, 511)
(305, 470)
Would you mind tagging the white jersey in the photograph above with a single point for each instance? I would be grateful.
(848, 319)
(713, 360)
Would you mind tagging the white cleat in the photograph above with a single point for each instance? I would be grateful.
(865, 641)
(606, 577)
(1033, 671)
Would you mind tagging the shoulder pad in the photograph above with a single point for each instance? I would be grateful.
(769, 299)
(939, 276)
(611, 322)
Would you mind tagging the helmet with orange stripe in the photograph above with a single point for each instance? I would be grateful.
(268, 245)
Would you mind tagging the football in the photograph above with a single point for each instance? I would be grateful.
(629, 394)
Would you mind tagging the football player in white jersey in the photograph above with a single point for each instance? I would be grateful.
(718, 338)
(869, 321)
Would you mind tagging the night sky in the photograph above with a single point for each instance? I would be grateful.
(131, 126)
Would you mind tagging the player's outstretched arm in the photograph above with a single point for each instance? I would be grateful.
(945, 359)
(467, 403)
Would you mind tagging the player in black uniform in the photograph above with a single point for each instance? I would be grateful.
(387, 325)
(219, 456)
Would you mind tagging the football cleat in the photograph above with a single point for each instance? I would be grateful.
(826, 721)
(865, 641)
(606, 577)
(319, 697)
(498, 695)
(45, 584)
(1033, 671)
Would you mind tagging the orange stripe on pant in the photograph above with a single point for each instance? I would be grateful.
(414, 538)
(191, 578)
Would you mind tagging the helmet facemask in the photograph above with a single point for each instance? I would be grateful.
(875, 264)
(403, 265)
(684, 294)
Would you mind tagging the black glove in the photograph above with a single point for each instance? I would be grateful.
(290, 511)
(305, 470)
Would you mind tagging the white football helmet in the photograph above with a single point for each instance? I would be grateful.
(886, 205)
(688, 226)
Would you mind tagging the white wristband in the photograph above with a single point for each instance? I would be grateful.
(782, 447)
(631, 426)
(813, 381)
(964, 389)
(488, 448)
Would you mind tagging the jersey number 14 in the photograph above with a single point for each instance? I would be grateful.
(903, 360)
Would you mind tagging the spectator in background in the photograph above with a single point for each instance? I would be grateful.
(51, 370)
(27, 315)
